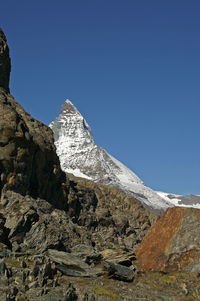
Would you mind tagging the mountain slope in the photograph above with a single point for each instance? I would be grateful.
(80, 156)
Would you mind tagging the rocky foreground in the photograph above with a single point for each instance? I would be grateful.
(65, 238)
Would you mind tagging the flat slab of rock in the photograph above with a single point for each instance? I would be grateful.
(119, 272)
(118, 256)
(72, 265)
(87, 253)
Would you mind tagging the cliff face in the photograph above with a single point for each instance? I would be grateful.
(5, 65)
(28, 161)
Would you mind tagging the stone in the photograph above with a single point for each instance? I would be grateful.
(173, 242)
(3, 268)
(119, 272)
(119, 256)
(14, 291)
(47, 271)
(71, 265)
(35, 270)
(87, 253)
(71, 294)
(5, 65)
(23, 264)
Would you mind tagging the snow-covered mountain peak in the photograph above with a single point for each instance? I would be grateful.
(69, 108)
(80, 156)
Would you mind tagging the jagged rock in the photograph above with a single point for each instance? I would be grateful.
(119, 272)
(14, 291)
(35, 270)
(28, 160)
(23, 264)
(114, 220)
(71, 294)
(47, 271)
(3, 268)
(4, 241)
(71, 265)
(173, 242)
(119, 256)
(5, 65)
(87, 253)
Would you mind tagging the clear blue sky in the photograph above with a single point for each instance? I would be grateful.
(131, 67)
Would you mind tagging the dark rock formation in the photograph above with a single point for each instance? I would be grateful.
(28, 161)
(112, 218)
(119, 272)
(5, 65)
(173, 242)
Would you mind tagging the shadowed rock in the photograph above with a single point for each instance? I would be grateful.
(5, 66)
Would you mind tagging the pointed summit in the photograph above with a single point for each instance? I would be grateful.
(68, 108)
(80, 156)
(5, 65)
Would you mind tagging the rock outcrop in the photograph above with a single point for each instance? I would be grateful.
(28, 161)
(173, 242)
(5, 65)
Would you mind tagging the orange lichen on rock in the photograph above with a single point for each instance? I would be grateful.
(154, 250)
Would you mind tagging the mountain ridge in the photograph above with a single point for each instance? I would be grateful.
(80, 156)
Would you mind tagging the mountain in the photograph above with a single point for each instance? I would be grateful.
(68, 238)
(80, 156)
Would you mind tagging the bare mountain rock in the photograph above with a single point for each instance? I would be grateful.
(173, 242)
(28, 161)
(5, 65)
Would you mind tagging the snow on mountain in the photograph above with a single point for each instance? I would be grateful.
(181, 200)
(80, 156)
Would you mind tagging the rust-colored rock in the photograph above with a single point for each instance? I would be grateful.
(173, 242)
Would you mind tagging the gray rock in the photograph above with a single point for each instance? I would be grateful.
(71, 294)
(119, 272)
(23, 264)
(72, 265)
(14, 291)
(36, 270)
(3, 268)
(47, 270)
(5, 65)
(87, 253)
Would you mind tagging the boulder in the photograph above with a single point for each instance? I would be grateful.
(119, 256)
(173, 242)
(87, 253)
(119, 272)
(71, 265)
